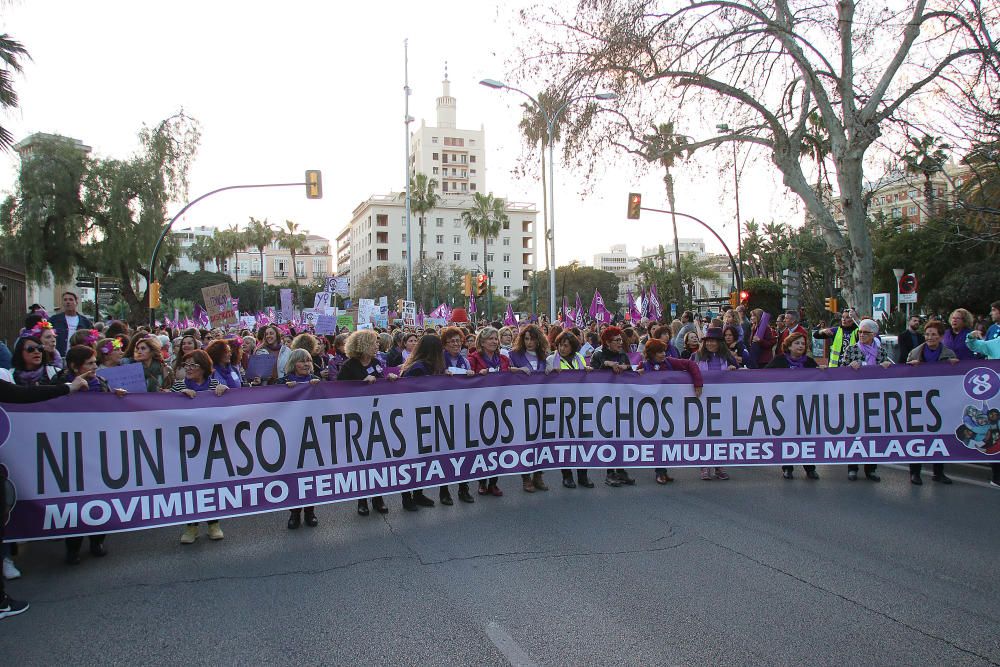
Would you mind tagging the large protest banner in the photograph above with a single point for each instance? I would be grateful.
(95, 463)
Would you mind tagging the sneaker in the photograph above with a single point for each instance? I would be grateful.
(189, 535)
(612, 480)
(11, 607)
(624, 478)
(215, 531)
(706, 474)
(10, 571)
(721, 474)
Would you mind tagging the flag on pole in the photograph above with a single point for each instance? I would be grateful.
(472, 304)
(633, 311)
(508, 319)
(567, 315)
(598, 311)
(655, 312)
(200, 315)
(578, 320)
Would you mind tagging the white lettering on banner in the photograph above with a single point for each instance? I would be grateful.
(79, 472)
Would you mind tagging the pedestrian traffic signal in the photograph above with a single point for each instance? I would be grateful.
(154, 294)
(831, 304)
(314, 184)
(734, 299)
(744, 296)
(634, 205)
(467, 285)
(482, 284)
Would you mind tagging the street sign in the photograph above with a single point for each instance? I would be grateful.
(908, 298)
(880, 306)
(908, 283)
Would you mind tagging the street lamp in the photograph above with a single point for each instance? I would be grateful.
(550, 123)
(723, 127)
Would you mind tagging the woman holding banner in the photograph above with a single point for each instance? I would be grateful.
(713, 355)
(794, 356)
(567, 357)
(31, 362)
(656, 360)
(612, 357)
(427, 360)
(528, 355)
(485, 359)
(299, 371)
(932, 350)
(224, 368)
(362, 365)
(195, 376)
(269, 339)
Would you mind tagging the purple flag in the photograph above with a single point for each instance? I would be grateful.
(420, 316)
(509, 320)
(633, 311)
(472, 304)
(200, 315)
(598, 310)
(578, 320)
(655, 312)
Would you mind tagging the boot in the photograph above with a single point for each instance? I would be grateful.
(215, 531)
(190, 534)
(583, 480)
(463, 493)
(311, 519)
(539, 482)
(408, 503)
(294, 519)
(363, 507)
(420, 499)
(444, 496)
(527, 484)
(379, 505)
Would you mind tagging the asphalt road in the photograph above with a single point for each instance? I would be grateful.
(755, 570)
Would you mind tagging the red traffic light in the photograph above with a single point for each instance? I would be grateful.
(634, 205)
(744, 296)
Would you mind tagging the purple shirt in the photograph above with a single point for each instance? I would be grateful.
(956, 342)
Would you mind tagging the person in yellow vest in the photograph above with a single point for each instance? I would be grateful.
(842, 336)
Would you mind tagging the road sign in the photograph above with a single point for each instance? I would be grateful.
(908, 284)
(880, 306)
(908, 298)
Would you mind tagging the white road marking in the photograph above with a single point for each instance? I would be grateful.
(511, 649)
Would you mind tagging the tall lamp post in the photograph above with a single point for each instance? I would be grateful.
(550, 125)
(723, 127)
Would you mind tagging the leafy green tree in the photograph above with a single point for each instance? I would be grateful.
(12, 53)
(201, 251)
(571, 279)
(926, 157)
(764, 294)
(423, 199)
(73, 212)
(388, 281)
(294, 241)
(187, 286)
(665, 146)
(259, 234)
(182, 307)
(484, 221)
(656, 271)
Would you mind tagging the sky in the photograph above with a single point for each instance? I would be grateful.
(278, 88)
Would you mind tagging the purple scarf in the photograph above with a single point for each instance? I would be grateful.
(493, 362)
(793, 362)
(29, 378)
(93, 384)
(713, 362)
(870, 351)
(455, 362)
(204, 386)
(956, 342)
(228, 375)
(930, 355)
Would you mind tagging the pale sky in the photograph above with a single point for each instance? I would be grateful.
(279, 88)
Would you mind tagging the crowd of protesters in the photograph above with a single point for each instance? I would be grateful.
(57, 355)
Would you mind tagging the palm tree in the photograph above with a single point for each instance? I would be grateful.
(422, 200)
(536, 131)
(220, 249)
(259, 234)
(665, 146)
(817, 147)
(183, 307)
(294, 241)
(234, 241)
(926, 157)
(200, 251)
(484, 221)
(11, 53)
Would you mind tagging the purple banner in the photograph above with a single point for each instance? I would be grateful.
(96, 463)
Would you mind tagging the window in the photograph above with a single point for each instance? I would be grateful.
(439, 238)
(472, 186)
(319, 267)
(404, 254)
(381, 220)
(457, 257)
(444, 187)
(382, 255)
(440, 255)
(434, 140)
(463, 159)
(439, 222)
(456, 239)
(489, 257)
(434, 170)
(506, 291)
(913, 211)
(404, 238)
(491, 275)
(506, 224)
(472, 159)
(434, 156)
(382, 237)
(896, 213)
(465, 187)
(506, 258)
(506, 274)
(472, 171)
(474, 257)
(506, 241)
(489, 241)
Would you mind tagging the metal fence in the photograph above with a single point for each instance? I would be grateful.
(13, 302)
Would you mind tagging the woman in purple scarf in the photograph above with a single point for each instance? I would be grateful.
(868, 351)
(954, 338)
(794, 356)
(932, 350)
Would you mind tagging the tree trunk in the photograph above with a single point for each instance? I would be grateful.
(668, 179)
(420, 262)
(545, 211)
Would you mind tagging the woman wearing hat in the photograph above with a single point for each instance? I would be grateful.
(612, 357)
(713, 355)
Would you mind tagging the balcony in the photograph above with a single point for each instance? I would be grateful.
(280, 274)
(255, 273)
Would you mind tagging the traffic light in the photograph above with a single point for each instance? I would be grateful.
(744, 296)
(734, 299)
(831, 304)
(399, 307)
(467, 285)
(154, 294)
(314, 184)
(634, 205)
(482, 284)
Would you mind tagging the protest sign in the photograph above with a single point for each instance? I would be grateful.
(263, 366)
(129, 377)
(326, 324)
(345, 321)
(219, 305)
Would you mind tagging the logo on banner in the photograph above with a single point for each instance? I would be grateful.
(4, 426)
(982, 384)
(980, 427)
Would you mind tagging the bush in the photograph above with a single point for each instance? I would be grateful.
(973, 287)
(764, 294)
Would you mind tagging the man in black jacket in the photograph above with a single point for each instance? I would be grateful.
(909, 339)
(68, 321)
(12, 393)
